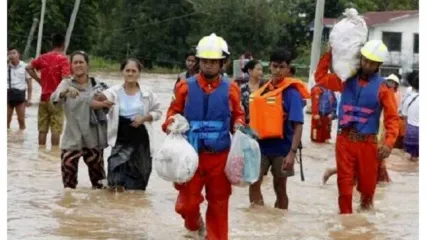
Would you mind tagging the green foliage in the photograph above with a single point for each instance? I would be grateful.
(160, 32)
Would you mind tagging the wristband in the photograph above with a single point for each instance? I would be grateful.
(294, 150)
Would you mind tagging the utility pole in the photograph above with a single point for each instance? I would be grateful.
(71, 24)
(40, 28)
(316, 45)
(30, 38)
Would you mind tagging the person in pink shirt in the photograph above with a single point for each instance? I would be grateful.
(53, 67)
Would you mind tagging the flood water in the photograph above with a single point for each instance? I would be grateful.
(39, 208)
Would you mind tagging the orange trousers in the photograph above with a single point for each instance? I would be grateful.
(321, 129)
(211, 174)
(355, 159)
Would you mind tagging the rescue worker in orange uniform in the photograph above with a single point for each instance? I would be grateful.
(276, 116)
(363, 99)
(211, 104)
(323, 112)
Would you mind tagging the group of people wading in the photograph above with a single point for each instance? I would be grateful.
(98, 116)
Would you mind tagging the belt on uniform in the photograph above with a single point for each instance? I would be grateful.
(355, 136)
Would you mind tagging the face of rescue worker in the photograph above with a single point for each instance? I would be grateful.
(79, 66)
(131, 72)
(210, 67)
(392, 84)
(369, 67)
(190, 62)
(13, 56)
(256, 72)
(279, 70)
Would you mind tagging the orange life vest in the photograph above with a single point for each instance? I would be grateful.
(266, 110)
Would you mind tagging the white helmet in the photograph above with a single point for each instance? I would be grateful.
(212, 47)
(375, 50)
(393, 77)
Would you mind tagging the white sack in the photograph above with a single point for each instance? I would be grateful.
(346, 39)
(176, 160)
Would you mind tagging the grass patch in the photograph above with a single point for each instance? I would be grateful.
(103, 65)
(164, 70)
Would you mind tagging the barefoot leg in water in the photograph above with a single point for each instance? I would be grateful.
(327, 174)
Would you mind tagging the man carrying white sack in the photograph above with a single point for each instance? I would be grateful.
(211, 104)
(363, 98)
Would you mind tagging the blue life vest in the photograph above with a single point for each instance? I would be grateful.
(327, 102)
(209, 117)
(359, 107)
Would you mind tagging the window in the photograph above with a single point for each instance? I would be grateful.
(416, 43)
(392, 41)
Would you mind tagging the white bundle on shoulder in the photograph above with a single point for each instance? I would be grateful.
(176, 160)
(346, 40)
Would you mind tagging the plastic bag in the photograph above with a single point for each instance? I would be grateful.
(176, 160)
(243, 163)
(346, 39)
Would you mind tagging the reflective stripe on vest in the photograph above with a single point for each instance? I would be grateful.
(359, 107)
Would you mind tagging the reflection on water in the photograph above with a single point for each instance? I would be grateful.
(39, 208)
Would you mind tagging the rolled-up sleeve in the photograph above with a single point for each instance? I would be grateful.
(55, 98)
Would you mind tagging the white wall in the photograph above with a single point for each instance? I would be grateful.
(408, 27)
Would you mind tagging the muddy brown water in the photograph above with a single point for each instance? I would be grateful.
(39, 208)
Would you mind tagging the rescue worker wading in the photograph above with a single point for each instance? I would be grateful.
(211, 104)
(323, 112)
(363, 98)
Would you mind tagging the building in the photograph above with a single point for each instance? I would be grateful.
(399, 30)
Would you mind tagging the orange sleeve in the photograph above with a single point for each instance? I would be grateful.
(178, 102)
(390, 114)
(327, 80)
(237, 112)
(315, 95)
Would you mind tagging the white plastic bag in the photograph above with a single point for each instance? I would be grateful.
(243, 163)
(176, 160)
(346, 39)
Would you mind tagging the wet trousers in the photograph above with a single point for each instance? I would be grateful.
(355, 159)
(211, 174)
(69, 166)
(321, 129)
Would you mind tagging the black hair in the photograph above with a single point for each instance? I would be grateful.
(190, 53)
(250, 65)
(126, 61)
(281, 55)
(292, 70)
(248, 55)
(82, 53)
(413, 79)
(58, 40)
(12, 48)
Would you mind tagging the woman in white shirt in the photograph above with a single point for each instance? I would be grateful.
(410, 110)
(130, 162)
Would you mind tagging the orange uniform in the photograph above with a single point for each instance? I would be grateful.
(320, 128)
(359, 155)
(211, 168)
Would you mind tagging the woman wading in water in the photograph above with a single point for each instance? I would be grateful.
(130, 162)
(85, 129)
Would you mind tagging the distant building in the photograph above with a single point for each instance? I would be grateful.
(399, 30)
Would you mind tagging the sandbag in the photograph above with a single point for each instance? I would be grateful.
(243, 163)
(346, 39)
(176, 161)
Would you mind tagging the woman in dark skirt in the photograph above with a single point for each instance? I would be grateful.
(129, 122)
